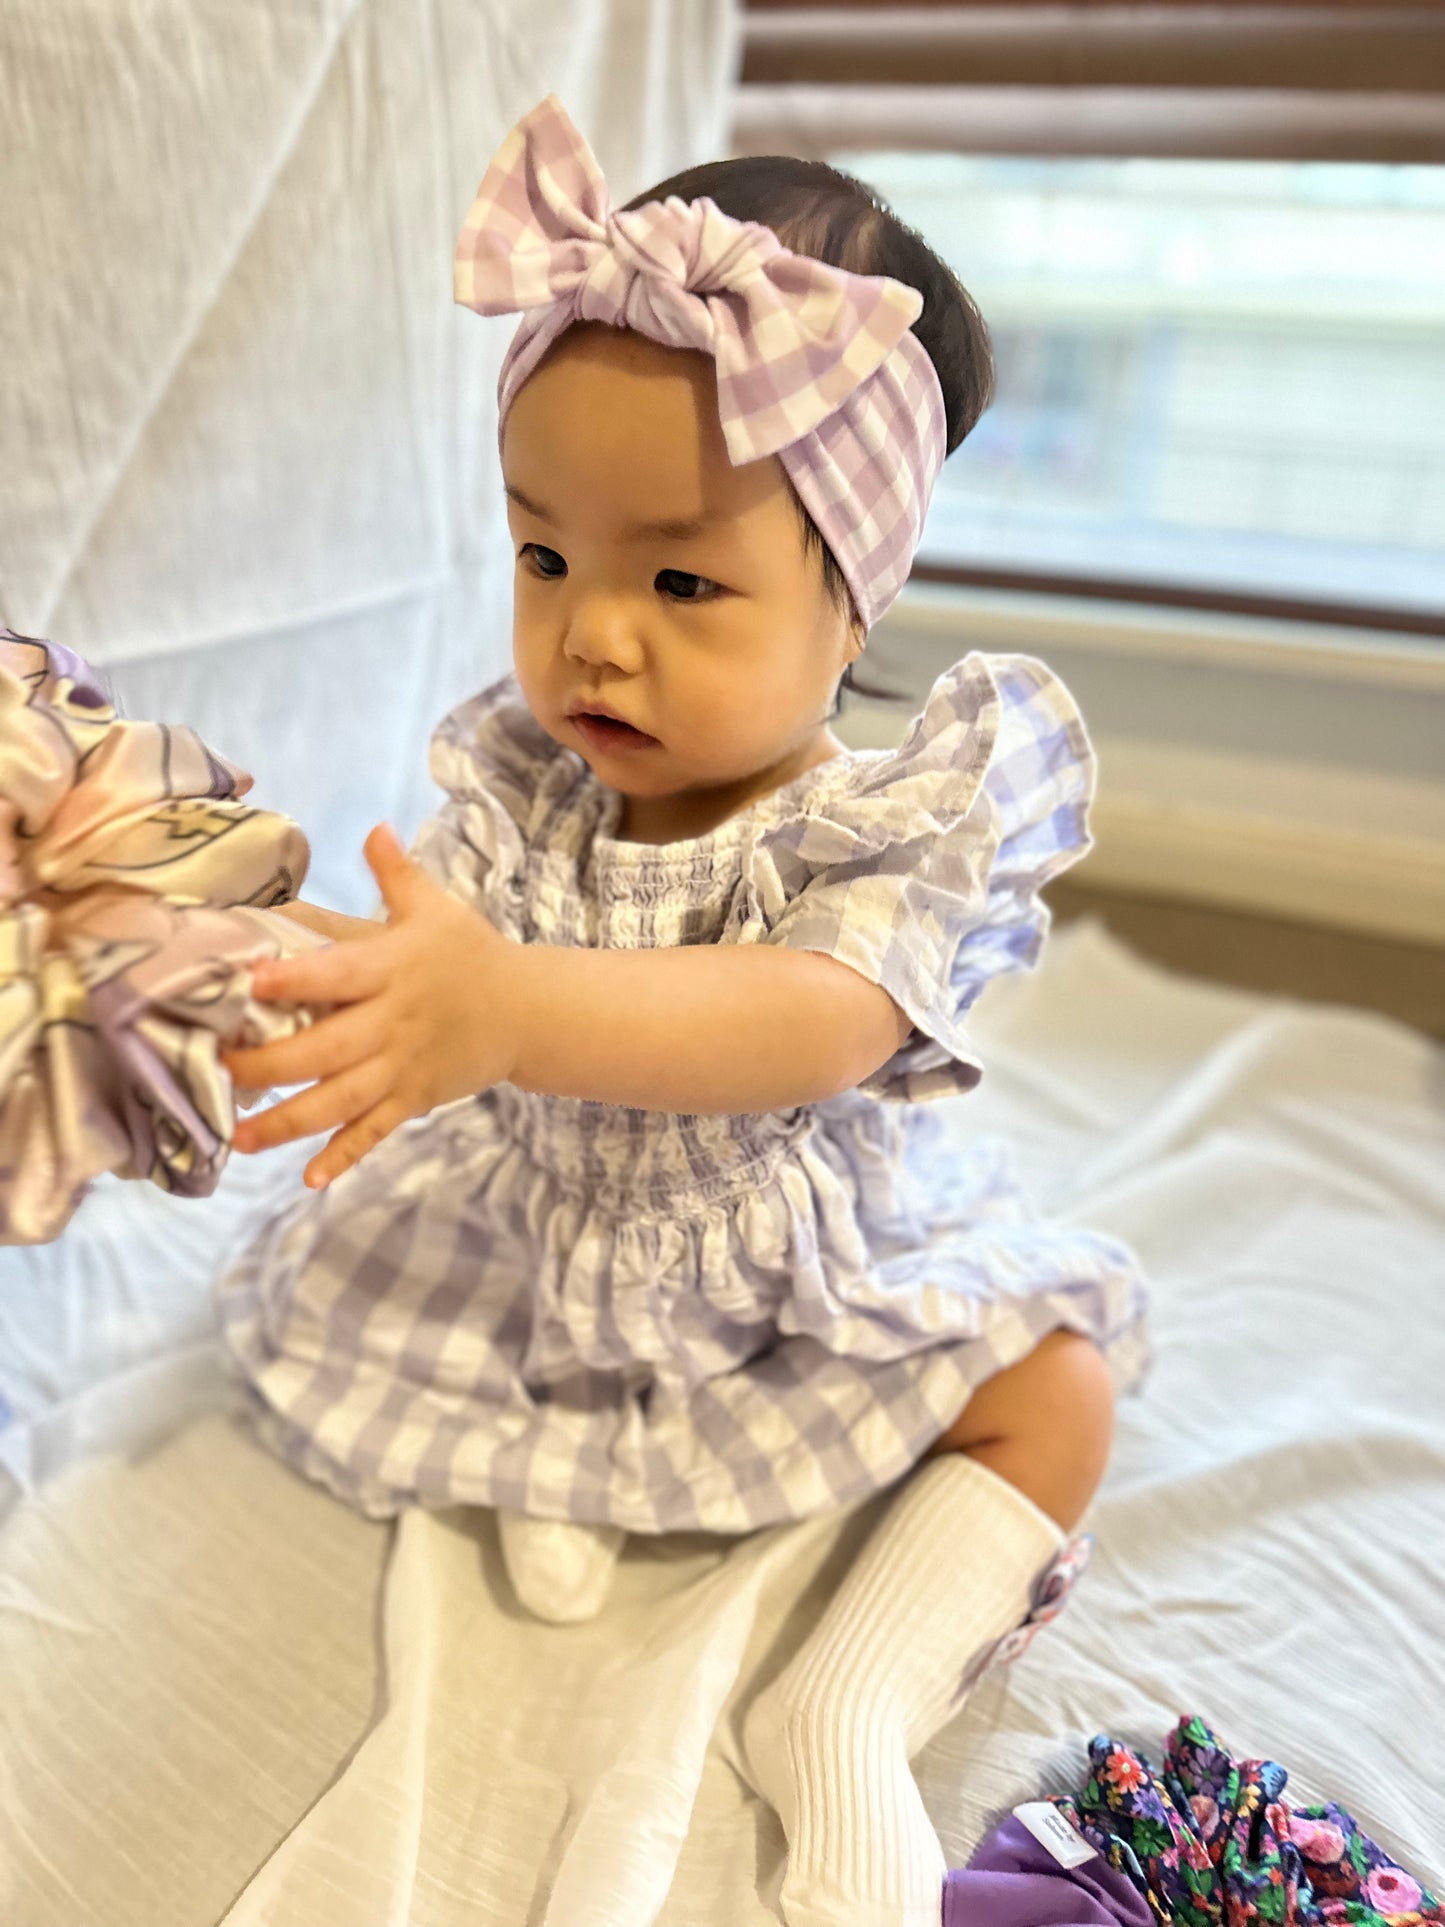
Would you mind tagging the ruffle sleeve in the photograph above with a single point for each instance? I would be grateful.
(489, 755)
(922, 871)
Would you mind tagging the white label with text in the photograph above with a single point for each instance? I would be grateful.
(1053, 1830)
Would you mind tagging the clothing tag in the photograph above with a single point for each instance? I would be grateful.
(1053, 1830)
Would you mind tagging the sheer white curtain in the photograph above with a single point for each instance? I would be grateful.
(247, 442)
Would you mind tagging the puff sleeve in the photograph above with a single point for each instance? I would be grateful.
(922, 871)
(488, 755)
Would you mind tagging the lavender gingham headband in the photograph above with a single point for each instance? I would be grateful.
(814, 364)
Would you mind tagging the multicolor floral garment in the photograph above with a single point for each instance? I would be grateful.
(1209, 1842)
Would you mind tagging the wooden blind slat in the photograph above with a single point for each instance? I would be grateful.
(1305, 47)
(893, 8)
(1220, 123)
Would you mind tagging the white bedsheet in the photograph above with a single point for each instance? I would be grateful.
(227, 1698)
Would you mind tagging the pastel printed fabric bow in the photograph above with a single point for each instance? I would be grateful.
(1048, 1595)
(814, 365)
(133, 886)
(1209, 1842)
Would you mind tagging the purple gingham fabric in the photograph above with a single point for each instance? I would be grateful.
(671, 1322)
(814, 365)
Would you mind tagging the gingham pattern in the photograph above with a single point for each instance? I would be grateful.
(670, 1322)
(815, 365)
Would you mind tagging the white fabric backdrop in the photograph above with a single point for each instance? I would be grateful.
(247, 441)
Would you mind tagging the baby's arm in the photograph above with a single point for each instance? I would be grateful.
(701, 1028)
(727, 1027)
(439, 1005)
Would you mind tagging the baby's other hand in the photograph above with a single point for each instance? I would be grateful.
(329, 923)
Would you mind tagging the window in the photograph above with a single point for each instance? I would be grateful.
(1209, 242)
(1217, 375)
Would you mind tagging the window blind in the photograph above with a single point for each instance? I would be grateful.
(1294, 80)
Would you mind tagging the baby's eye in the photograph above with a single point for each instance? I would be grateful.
(687, 588)
(544, 560)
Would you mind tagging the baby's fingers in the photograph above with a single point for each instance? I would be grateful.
(341, 973)
(336, 1101)
(348, 1147)
(348, 1036)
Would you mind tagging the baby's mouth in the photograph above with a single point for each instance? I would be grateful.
(607, 729)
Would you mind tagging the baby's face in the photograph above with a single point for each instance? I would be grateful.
(715, 636)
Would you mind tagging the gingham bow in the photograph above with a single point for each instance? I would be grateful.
(815, 365)
(791, 336)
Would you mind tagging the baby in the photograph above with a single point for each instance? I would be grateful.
(615, 1232)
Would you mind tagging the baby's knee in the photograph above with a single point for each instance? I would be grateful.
(1069, 1394)
(1046, 1424)
(1062, 1389)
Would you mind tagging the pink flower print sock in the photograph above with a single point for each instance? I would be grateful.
(945, 1577)
(560, 1569)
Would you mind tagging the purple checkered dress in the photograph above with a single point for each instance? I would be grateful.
(673, 1322)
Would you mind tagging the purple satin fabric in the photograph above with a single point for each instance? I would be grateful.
(134, 898)
(1014, 1881)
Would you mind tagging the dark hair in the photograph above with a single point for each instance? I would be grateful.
(818, 210)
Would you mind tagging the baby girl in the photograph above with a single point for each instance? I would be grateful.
(617, 1233)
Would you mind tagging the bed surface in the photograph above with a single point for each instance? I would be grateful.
(227, 1698)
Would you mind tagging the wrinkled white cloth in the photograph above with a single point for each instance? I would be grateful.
(230, 1698)
(247, 439)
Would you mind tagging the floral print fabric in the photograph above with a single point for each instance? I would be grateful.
(1210, 1842)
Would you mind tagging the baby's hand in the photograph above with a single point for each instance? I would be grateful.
(424, 1016)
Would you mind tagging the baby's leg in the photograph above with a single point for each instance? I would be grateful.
(1045, 1424)
(948, 1571)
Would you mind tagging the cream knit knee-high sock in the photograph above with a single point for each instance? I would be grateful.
(828, 1743)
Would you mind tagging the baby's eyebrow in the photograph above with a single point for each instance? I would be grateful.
(669, 528)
